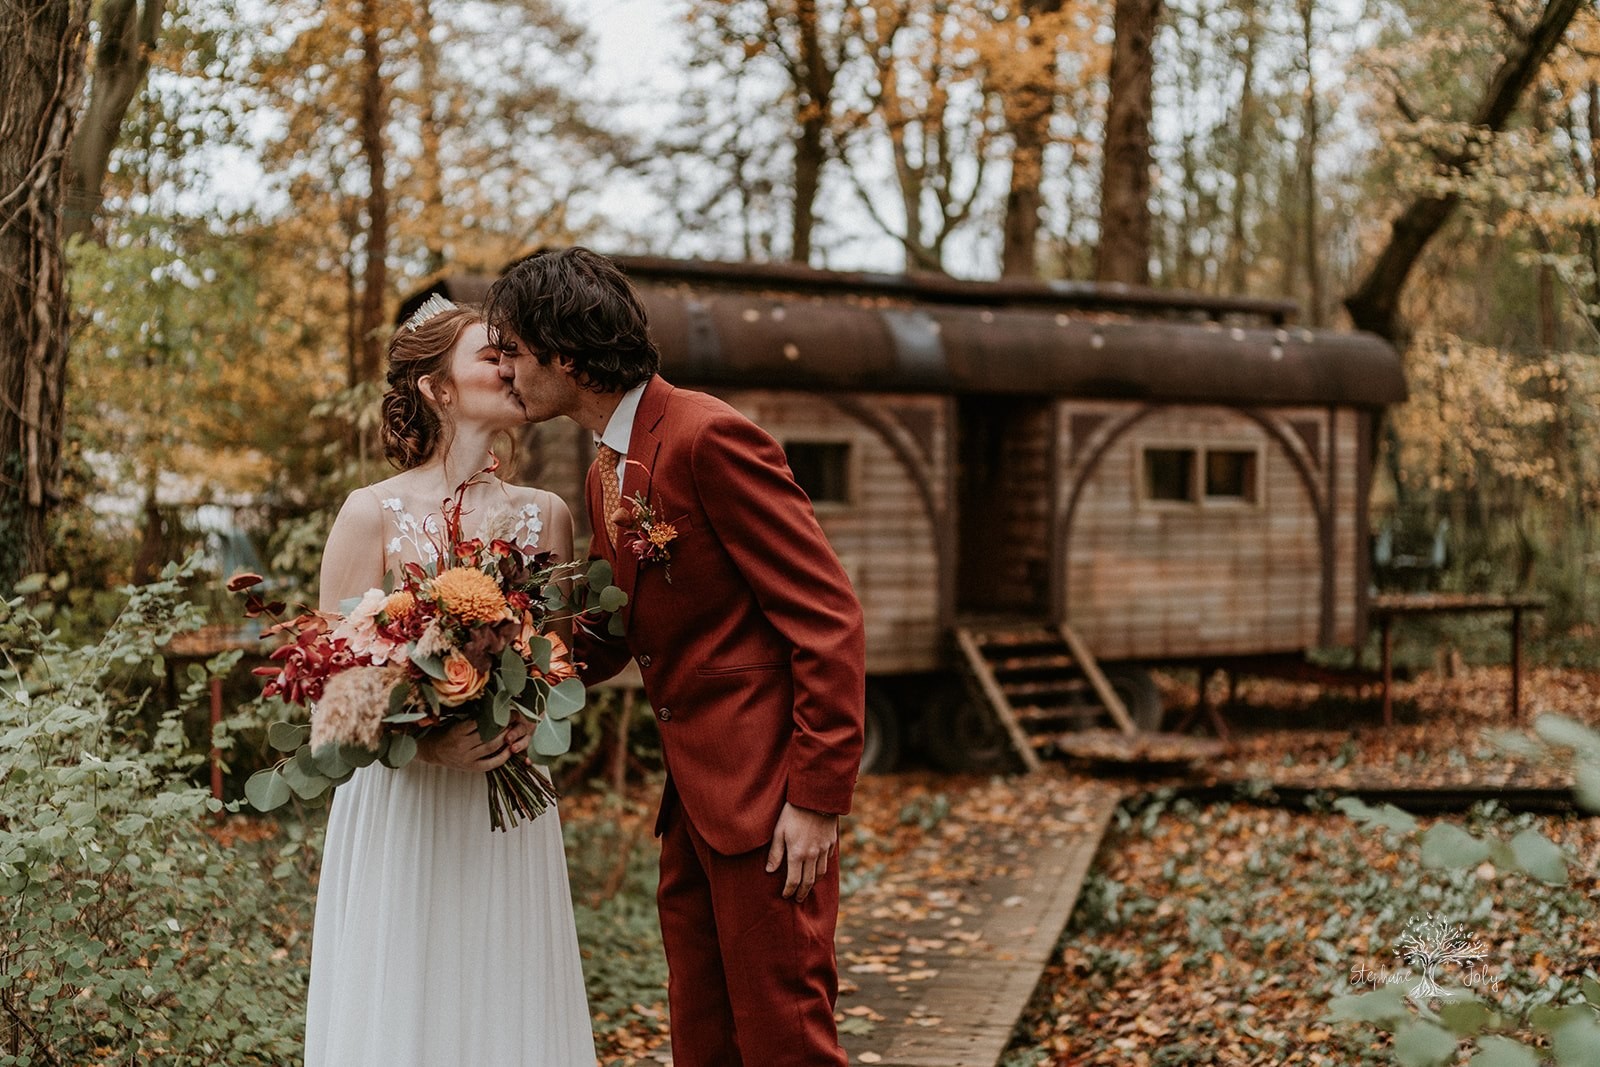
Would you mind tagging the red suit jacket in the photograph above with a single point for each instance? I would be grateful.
(753, 653)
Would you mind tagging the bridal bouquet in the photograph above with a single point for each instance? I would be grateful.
(466, 637)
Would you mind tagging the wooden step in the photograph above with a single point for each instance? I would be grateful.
(1045, 638)
(1023, 692)
(1056, 661)
(1039, 720)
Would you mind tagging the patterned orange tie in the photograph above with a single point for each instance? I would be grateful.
(610, 488)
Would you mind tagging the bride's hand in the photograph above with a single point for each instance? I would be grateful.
(460, 748)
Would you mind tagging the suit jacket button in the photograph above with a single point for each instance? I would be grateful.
(665, 714)
(644, 661)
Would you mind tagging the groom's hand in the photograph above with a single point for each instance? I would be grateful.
(808, 838)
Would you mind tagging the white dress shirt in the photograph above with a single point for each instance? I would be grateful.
(619, 430)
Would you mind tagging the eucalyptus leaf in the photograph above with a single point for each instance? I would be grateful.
(432, 666)
(513, 672)
(356, 756)
(616, 627)
(1562, 732)
(1549, 1018)
(406, 716)
(1577, 1044)
(500, 708)
(1540, 857)
(600, 574)
(1465, 1017)
(1422, 1044)
(402, 750)
(552, 737)
(266, 790)
(1386, 815)
(539, 652)
(330, 762)
(612, 598)
(305, 784)
(565, 700)
(1586, 786)
(1495, 1051)
(287, 736)
(1447, 845)
(399, 696)
(1381, 1006)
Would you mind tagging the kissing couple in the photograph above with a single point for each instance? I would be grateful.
(437, 943)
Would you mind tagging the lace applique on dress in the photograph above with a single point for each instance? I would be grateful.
(520, 525)
(419, 535)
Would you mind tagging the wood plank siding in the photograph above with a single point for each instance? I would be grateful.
(1153, 578)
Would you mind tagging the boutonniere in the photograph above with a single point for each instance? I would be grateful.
(647, 537)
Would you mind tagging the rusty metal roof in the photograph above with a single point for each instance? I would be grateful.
(791, 327)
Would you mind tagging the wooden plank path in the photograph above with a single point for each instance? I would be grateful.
(938, 960)
(947, 988)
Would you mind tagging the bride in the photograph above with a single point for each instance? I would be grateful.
(438, 941)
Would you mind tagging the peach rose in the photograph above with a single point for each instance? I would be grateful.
(462, 681)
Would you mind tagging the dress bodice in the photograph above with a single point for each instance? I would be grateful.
(413, 540)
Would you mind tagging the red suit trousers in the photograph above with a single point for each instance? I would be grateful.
(752, 976)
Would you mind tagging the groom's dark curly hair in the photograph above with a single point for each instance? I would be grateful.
(576, 303)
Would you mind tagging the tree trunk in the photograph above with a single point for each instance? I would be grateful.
(1591, 231)
(1309, 140)
(42, 59)
(432, 174)
(1028, 110)
(1375, 304)
(128, 33)
(375, 277)
(1238, 254)
(813, 82)
(1123, 254)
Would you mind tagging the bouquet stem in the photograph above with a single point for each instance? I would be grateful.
(518, 789)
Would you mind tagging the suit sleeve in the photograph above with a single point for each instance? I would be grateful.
(764, 521)
(600, 655)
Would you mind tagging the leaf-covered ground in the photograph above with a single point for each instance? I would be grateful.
(1221, 934)
(1204, 935)
(1445, 731)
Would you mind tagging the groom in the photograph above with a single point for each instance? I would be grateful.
(750, 642)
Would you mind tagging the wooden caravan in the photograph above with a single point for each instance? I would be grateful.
(1169, 477)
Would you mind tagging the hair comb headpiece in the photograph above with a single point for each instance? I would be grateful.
(430, 307)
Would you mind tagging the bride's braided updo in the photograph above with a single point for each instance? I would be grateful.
(412, 427)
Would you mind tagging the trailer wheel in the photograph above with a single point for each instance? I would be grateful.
(961, 734)
(881, 752)
(1139, 694)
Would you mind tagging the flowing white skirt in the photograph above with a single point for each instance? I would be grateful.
(437, 941)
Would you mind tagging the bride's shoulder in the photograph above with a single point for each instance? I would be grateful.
(547, 502)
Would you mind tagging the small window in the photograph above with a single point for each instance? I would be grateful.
(1231, 475)
(1169, 474)
(822, 469)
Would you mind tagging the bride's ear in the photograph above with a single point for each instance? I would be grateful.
(425, 387)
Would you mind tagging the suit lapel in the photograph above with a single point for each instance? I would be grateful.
(639, 473)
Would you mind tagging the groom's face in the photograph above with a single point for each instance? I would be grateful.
(545, 389)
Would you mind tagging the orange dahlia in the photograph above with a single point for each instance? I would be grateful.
(470, 595)
(399, 606)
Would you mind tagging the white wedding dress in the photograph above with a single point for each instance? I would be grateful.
(439, 942)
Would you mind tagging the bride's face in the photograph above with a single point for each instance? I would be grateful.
(477, 392)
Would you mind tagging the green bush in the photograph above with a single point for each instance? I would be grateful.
(131, 935)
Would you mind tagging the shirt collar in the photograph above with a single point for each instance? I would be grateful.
(619, 430)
